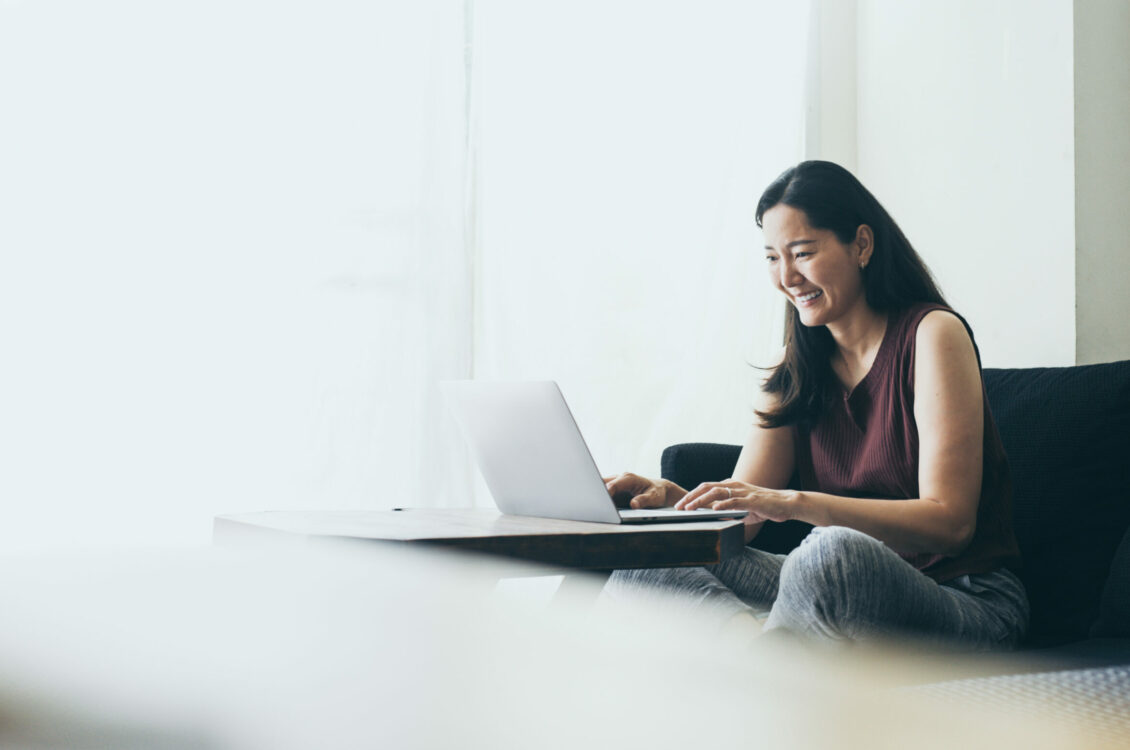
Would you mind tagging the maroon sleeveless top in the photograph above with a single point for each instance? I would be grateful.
(865, 444)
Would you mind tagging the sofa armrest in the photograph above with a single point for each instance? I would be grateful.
(690, 464)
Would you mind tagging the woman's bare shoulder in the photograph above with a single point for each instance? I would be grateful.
(942, 331)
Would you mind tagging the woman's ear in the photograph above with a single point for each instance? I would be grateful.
(864, 244)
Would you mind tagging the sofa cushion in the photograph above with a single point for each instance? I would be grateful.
(1114, 609)
(1066, 431)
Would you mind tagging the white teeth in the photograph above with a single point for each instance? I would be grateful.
(811, 295)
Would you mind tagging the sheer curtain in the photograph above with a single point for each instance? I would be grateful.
(233, 261)
(623, 146)
(241, 243)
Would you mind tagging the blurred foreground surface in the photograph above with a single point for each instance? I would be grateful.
(364, 646)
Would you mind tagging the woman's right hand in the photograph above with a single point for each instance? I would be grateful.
(633, 491)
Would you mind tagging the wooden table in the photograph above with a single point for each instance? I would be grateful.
(573, 545)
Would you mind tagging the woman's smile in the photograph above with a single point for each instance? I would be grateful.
(807, 299)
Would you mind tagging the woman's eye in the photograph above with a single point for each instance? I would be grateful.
(802, 254)
(771, 258)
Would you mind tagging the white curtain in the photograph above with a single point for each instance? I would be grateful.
(233, 261)
(623, 146)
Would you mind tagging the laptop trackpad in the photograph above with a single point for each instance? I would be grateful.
(670, 515)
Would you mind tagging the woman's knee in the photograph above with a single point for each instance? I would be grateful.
(825, 578)
(830, 553)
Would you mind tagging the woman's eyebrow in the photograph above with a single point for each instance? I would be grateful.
(793, 244)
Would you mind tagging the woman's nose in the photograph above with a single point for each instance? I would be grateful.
(790, 276)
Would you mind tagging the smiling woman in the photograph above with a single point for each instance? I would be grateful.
(837, 223)
(877, 407)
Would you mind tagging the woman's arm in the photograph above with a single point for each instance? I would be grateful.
(949, 413)
(767, 458)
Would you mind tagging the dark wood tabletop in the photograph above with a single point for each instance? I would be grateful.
(570, 544)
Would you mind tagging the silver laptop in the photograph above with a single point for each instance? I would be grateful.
(534, 460)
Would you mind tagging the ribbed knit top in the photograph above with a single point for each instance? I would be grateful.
(865, 444)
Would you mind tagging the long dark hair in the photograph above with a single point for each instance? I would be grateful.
(833, 199)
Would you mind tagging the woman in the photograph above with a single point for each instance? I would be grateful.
(878, 407)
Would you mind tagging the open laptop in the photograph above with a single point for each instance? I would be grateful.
(534, 460)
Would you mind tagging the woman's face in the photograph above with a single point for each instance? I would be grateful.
(820, 275)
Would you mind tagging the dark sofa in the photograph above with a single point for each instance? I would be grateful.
(1066, 431)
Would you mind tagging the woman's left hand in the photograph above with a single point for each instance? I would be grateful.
(763, 504)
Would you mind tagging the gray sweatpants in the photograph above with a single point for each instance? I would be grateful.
(843, 585)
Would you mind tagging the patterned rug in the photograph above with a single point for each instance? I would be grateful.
(1097, 700)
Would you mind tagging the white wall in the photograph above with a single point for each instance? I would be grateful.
(833, 122)
(966, 134)
(1102, 179)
